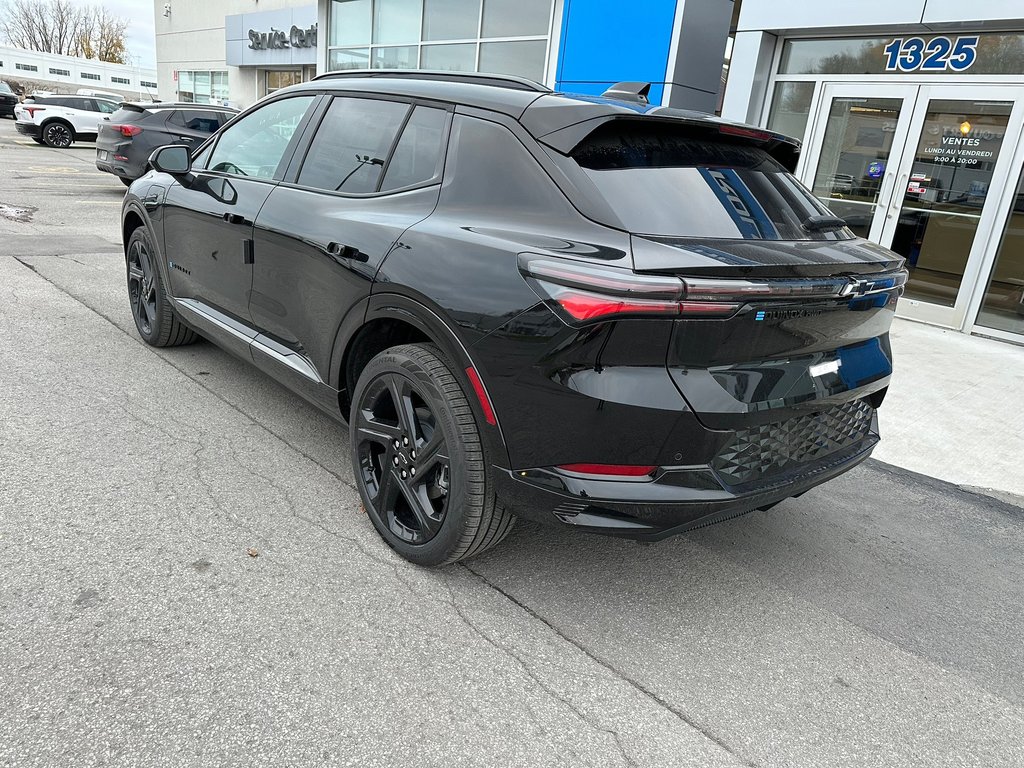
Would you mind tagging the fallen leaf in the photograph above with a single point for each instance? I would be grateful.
(252, 552)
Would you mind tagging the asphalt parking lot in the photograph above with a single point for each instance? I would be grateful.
(875, 621)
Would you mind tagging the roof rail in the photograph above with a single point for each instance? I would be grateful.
(477, 78)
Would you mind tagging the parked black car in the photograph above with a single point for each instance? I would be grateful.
(8, 100)
(129, 136)
(585, 311)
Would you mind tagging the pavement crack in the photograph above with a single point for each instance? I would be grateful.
(537, 679)
(631, 681)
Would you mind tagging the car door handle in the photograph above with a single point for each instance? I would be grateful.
(337, 251)
(189, 139)
(234, 218)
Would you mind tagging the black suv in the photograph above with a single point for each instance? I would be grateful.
(128, 137)
(585, 311)
(8, 100)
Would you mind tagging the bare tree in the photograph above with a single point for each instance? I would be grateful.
(59, 26)
(103, 37)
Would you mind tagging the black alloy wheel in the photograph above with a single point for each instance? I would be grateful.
(142, 286)
(418, 459)
(404, 459)
(58, 135)
(154, 317)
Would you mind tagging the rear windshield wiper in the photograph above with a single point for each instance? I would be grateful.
(822, 222)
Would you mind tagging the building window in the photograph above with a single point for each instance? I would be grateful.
(203, 87)
(90, 76)
(27, 67)
(147, 83)
(277, 79)
(508, 37)
(63, 72)
(121, 80)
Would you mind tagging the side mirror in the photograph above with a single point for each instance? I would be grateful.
(174, 159)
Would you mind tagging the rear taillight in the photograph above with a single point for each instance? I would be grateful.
(586, 292)
(127, 130)
(32, 110)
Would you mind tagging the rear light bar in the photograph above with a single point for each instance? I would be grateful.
(32, 110)
(587, 292)
(127, 130)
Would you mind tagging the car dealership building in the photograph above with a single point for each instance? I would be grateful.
(912, 118)
(911, 114)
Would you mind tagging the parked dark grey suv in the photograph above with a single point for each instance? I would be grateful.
(129, 136)
(585, 311)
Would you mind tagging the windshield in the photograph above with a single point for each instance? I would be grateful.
(5, 88)
(661, 179)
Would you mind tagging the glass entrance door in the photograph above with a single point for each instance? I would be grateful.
(855, 150)
(952, 177)
(921, 170)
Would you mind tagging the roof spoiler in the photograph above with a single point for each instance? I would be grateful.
(629, 91)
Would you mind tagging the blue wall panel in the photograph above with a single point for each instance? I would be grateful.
(605, 42)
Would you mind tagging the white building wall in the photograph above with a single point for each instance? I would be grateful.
(192, 37)
(44, 79)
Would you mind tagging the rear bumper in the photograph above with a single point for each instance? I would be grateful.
(124, 169)
(676, 500)
(29, 129)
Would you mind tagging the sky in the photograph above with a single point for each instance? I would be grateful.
(140, 33)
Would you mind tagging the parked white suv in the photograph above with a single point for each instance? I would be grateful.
(59, 121)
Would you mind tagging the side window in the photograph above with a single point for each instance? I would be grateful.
(106, 107)
(255, 144)
(175, 118)
(352, 144)
(417, 157)
(197, 120)
(86, 105)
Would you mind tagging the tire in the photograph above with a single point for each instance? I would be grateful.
(449, 512)
(126, 182)
(39, 141)
(154, 316)
(58, 134)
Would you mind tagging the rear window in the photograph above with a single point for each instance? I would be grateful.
(662, 180)
(126, 115)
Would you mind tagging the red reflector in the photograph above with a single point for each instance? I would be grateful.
(616, 470)
(481, 394)
(584, 306)
(127, 130)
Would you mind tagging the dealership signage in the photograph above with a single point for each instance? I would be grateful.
(278, 39)
(937, 54)
(296, 37)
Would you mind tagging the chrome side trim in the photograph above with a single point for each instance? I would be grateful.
(286, 357)
(239, 330)
(248, 336)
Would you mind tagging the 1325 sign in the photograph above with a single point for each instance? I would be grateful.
(939, 54)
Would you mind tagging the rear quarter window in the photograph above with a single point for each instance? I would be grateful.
(417, 158)
(197, 120)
